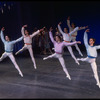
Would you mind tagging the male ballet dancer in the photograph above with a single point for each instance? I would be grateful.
(74, 35)
(58, 47)
(91, 55)
(67, 39)
(28, 42)
(9, 49)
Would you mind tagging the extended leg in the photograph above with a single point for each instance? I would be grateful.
(32, 57)
(71, 52)
(4, 55)
(64, 67)
(14, 62)
(77, 48)
(23, 48)
(51, 56)
(94, 68)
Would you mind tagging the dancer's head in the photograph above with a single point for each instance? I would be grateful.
(65, 30)
(58, 38)
(73, 25)
(7, 38)
(26, 32)
(91, 41)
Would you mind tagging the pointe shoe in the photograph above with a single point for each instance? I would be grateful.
(21, 74)
(68, 77)
(16, 53)
(81, 54)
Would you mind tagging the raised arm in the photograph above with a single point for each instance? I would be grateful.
(59, 28)
(72, 43)
(37, 32)
(75, 29)
(15, 41)
(22, 30)
(86, 38)
(2, 36)
(51, 36)
(68, 23)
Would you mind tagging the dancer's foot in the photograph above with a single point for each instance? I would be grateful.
(16, 53)
(44, 58)
(68, 76)
(20, 74)
(35, 67)
(98, 84)
(77, 62)
(81, 54)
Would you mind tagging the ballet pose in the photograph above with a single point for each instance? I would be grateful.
(91, 55)
(74, 35)
(9, 50)
(67, 39)
(28, 42)
(58, 47)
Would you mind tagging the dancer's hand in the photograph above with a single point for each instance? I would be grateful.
(68, 18)
(51, 29)
(87, 30)
(2, 29)
(59, 23)
(79, 42)
(42, 29)
(25, 26)
(86, 26)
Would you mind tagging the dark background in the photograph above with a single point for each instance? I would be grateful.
(50, 13)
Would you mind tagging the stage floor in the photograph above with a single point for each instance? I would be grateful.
(48, 80)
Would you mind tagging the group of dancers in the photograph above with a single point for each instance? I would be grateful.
(69, 39)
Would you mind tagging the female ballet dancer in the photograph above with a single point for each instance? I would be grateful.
(91, 55)
(67, 39)
(74, 35)
(9, 49)
(28, 42)
(58, 47)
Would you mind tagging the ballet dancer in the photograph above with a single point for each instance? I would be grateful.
(9, 50)
(67, 39)
(74, 35)
(58, 47)
(28, 42)
(91, 55)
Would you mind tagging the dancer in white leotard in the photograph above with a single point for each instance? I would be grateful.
(58, 47)
(28, 42)
(74, 35)
(91, 55)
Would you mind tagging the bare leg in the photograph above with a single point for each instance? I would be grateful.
(32, 57)
(14, 62)
(61, 60)
(71, 52)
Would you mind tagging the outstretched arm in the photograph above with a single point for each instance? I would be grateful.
(59, 28)
(97, 47)
(51, 36)
(72, 43)
(37, 32)
(2, 36)
(19, 39)
(75, 29)
(81, 28)
(22, 30)
(86, 38)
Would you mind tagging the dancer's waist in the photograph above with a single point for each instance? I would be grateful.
(8, 51)
(91, 57)
(28, 43)
(58, 52)
(67, 41)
